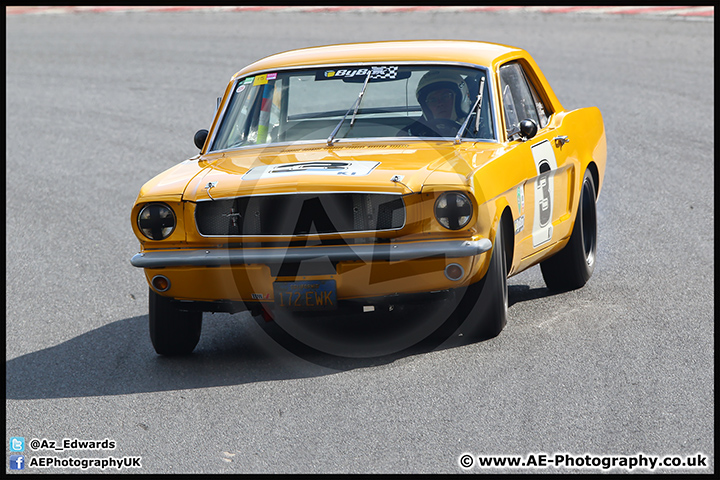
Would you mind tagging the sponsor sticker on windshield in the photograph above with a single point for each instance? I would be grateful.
(260, 80)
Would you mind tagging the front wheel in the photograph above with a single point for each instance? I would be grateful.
(572, 267)
(488, 297)
(172, 331)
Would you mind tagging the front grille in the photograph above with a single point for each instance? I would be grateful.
(300, 214)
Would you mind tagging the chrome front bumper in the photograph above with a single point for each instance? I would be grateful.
(334, 253)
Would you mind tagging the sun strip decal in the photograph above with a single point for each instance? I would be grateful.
(359, 74)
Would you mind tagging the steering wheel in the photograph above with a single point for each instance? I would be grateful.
(443, 127)
(438, 127)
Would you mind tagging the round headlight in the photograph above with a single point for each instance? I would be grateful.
(453, 210)
(156, 221)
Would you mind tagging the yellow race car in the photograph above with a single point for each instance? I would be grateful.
(350, 180)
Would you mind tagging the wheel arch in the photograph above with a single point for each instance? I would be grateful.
(506, 221)
(501, 218)
(595, 176)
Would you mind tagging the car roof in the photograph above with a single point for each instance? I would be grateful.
(457, 51)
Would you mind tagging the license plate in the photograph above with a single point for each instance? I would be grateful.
(306, 295)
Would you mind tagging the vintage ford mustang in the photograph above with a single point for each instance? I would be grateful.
(356, 178)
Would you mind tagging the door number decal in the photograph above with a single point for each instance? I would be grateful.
(545, 163)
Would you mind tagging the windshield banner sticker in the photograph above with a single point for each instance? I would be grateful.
(359, 74)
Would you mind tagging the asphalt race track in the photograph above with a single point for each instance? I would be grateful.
(98, 103)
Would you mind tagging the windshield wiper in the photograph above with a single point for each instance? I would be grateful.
(478, 107)
(354, 109)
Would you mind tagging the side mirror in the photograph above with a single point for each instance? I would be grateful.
(200, 137)
(528, 128)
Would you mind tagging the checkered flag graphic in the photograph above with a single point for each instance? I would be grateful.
(384, 72)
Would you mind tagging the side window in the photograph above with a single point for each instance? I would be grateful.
(540, 106)
(520, 100)
(511, 117)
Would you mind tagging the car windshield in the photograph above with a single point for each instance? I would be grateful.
(351, 102)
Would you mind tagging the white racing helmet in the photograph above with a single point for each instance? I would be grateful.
(441, 78)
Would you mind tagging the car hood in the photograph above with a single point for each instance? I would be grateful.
(351, 167)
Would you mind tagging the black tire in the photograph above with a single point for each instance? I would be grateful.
(173, 331)
(572, 267)
(488, 298)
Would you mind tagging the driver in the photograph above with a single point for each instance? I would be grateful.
(440, 95)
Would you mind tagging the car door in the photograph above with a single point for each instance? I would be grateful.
(543, 198)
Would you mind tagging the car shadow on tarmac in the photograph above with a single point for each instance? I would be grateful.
(118, 358)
